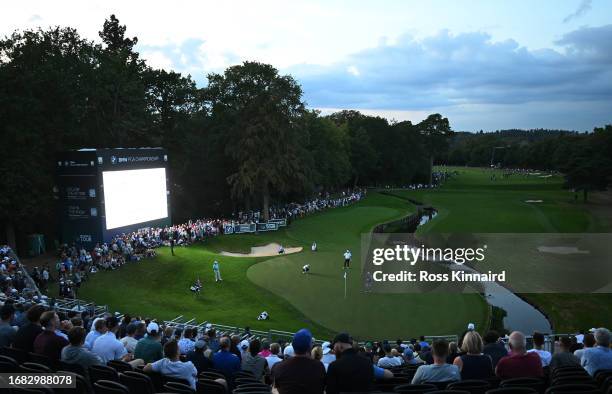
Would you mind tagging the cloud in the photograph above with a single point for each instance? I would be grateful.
(583, 8)
(468, 68)
(470, 72)
(193, 56)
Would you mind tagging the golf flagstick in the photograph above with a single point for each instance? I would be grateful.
(345, 283)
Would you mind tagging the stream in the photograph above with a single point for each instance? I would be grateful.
(520, 315)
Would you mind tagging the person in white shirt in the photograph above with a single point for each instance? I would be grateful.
(314, 247)
(389, 360)
(98, 327)
(128, 341)
(217, 271)
(347, 259)
(328, 356)
(538, 347)
(173, 367)
(589, 342)
(273, 358)
(108, 347)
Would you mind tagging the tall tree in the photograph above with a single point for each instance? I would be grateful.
(119, 96)
(329, 146)
(258, 112)
(44, 80)
(436, 130)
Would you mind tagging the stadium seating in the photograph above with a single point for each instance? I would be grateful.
(179, 388)
(102, 372)
(471, 386)
(109, 387)
(136, 382)
(120, 366)
(512, 390)
(415, 388)
(534, 383)
(8, 364)
(208, 386)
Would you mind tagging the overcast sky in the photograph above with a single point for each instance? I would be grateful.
(483, 64)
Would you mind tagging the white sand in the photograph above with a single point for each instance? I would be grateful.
(263, 251)
(562, 250)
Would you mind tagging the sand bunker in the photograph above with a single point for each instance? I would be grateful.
(263, 251)
(562, 250)
(533, 201)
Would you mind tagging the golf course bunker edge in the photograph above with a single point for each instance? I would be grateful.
(268, 250)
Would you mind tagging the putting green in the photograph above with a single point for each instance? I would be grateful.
(320, 294)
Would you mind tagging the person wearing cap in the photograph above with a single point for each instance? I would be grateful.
(347, 259)
(7, 332)
(253, 362)
(350, 372)
(217, 271)
(149, 348)
(224, 360)
(211, 339)
(172, 366)
(187, 342)
(198, 358)
(288, 352)
(243, 347)
(408, 356)
(328, 356)
(299, 374)
(599, 357)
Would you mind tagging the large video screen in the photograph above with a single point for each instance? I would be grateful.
(134, 196)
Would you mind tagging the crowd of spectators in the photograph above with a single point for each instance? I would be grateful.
(14, 280)
(75, 264)
(300, 366)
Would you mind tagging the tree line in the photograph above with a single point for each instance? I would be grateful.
(244, 141)
(585, 159)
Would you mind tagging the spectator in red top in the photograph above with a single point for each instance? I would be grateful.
(48, 343)
(520, 363)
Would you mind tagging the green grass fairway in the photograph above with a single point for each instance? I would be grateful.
(159, 287)
(472, 202)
